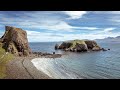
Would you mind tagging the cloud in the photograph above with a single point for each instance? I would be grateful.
(87, 28)
(108, 29)
(115, 19)
(106, 12)
(43, 20)
(75, 14)
(60, 25)
(34, 36)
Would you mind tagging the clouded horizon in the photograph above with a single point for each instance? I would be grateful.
(44, 26)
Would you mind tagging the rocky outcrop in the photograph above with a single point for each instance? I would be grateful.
(15, 41)
(96, 48)
(47, 55)
(56, 46)
(79, 46)
(90, 44)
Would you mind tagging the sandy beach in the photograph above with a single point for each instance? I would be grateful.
(22, 68)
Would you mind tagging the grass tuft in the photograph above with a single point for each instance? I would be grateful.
(4, 61)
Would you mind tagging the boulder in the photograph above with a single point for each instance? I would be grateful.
(96, 48)
(104, 49)
(15, 41)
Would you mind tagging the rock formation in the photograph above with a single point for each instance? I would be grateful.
(79, 46)
(15, 41)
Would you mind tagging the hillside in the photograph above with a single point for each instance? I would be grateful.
(4, 58)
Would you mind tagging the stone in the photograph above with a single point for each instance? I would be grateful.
(96, 48)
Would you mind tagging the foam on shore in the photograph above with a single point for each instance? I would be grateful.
(53, 69)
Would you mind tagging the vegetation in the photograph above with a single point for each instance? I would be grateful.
(4, 58)
(74, 42)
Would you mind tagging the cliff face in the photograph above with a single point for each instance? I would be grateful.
(79, 46)
(15, 41)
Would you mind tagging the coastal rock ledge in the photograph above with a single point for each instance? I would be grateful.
(79, 46)
(15, 41)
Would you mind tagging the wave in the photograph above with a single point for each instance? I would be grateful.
(54, 69)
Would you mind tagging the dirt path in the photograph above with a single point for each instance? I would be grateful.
(26, 69)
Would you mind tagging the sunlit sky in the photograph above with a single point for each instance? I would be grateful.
(44, 26)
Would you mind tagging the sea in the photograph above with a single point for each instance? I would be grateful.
(85, 65)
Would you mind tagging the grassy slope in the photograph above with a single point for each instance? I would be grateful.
(3, 62)
(76, 41)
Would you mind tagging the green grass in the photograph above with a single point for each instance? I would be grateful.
(3, 62)
(76, 41)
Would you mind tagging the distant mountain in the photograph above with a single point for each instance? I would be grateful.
(118, 37)
(109, 39)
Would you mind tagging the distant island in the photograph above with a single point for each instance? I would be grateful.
(109, 39)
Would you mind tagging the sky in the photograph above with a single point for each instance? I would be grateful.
(50, 26)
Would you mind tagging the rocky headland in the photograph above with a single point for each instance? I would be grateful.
(16, 56)
(15, 42)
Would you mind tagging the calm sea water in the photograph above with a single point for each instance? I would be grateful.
(91, 65)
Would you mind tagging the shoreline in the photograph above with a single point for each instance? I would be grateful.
(23, 68)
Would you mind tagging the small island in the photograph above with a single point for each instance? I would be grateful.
(79, 46)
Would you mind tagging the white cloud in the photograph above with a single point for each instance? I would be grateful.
(87, 28)
(44, 20)
(115, 19)
(108, 29)
(75, 14)
(106, 12)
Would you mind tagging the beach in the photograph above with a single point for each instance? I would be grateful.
(22, 68)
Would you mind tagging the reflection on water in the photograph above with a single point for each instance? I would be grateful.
(100, 65)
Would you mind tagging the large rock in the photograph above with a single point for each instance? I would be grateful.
(90, 44)
(15, 41)
(79, 46)
(96, 48)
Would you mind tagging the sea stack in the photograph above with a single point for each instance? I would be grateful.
(15, 41)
